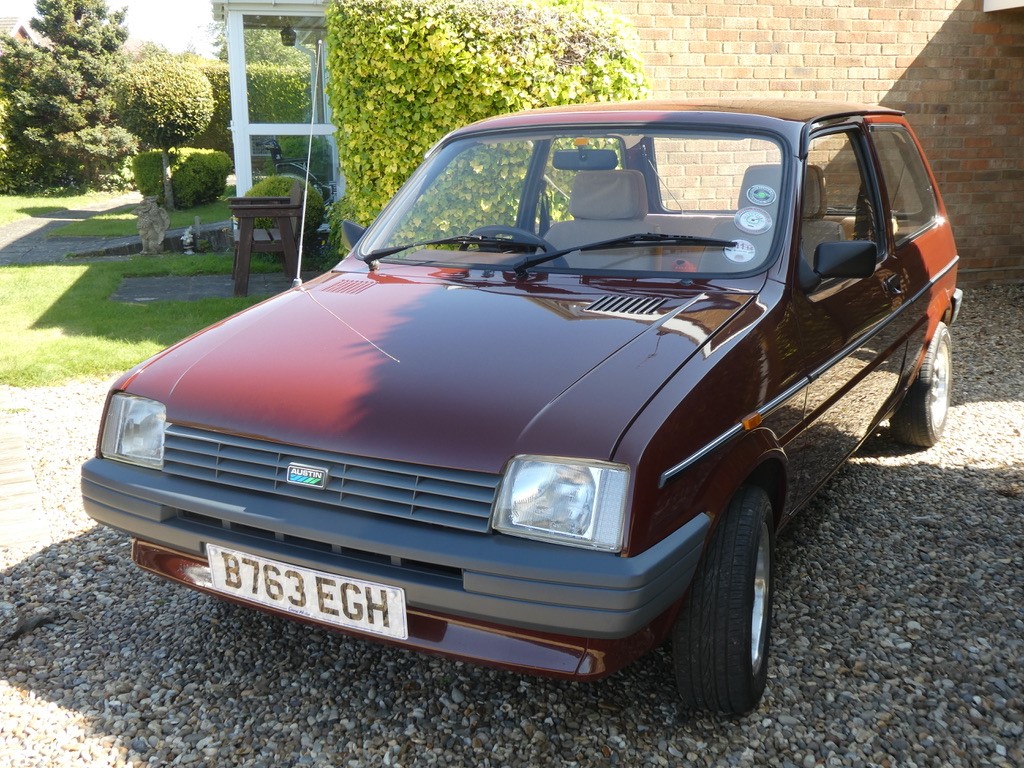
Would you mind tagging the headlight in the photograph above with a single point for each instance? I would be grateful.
(134, 431)
(569, 501)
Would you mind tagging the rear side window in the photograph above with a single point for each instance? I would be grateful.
(911, 197)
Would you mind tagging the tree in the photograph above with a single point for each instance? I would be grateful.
(60, 124)
(166, 101)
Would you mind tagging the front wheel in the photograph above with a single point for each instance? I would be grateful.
(921, 418)
(721, 639)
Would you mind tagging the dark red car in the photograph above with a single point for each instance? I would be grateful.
(553, 407)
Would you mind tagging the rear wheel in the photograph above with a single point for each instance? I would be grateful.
(921, 418)
(721, 639)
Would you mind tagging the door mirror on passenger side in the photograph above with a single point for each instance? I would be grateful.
(350, 233)
(846, 258)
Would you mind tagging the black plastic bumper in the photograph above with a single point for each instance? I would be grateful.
(489, 577)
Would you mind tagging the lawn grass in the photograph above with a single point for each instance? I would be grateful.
(14, 207)
(121, 222)
(59, 324)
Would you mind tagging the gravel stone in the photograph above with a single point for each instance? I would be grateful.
(898, 637)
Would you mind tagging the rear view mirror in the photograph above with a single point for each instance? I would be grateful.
(584, 159)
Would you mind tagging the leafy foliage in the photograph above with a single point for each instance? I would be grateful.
(281, 186)
(60, 125)
(165, 100)
(148, 172)
(277, 93)
(405, 72)
(199, 175)
(217, 134)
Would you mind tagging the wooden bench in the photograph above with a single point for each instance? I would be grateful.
(282, 238)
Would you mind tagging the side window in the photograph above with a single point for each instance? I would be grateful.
(907, 185)
(837, 202)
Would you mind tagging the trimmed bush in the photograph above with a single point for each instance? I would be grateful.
(165, 100)
(198, 175)
(405, 72)
(281, 186)
(148, 171)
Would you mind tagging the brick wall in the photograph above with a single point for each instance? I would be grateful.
(957, 71)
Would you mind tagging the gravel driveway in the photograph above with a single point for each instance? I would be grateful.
(898, 636)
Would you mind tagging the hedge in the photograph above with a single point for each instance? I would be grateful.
(218, 133)
(277, 94)
(406, 72)
(197, 175)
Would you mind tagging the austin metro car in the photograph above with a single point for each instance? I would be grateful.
(556, 402)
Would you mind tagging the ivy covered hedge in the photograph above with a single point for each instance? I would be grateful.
(405, 72)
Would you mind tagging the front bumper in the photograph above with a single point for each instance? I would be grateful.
(494, 579)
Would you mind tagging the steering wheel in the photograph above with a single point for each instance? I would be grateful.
(516, 234)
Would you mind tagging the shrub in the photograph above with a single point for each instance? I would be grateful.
(147, 170)
(281, 186)
(165, 100)
(198, 175)
(405, 72)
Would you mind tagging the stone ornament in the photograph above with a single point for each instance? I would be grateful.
(153, 223)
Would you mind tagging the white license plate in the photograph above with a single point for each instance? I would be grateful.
(325, 597)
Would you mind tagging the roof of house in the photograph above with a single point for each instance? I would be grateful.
(19, 28)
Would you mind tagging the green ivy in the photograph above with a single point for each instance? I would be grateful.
(403, 73)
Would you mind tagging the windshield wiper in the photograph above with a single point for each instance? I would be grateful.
(383, 253)
(623, 242)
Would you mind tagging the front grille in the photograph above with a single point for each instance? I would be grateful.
(452, 498)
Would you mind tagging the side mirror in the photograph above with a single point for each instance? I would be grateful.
(350, 233)
(846, 258)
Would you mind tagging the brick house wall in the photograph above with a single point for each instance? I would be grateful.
(956, 70)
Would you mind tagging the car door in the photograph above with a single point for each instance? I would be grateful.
(852, 350)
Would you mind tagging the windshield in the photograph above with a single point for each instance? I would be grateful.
(584, 201)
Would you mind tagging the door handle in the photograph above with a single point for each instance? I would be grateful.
(893, 285)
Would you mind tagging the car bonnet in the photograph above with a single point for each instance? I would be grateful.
(434, 372)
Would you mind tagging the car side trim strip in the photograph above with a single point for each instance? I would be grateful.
(764, 410)
(732, 432)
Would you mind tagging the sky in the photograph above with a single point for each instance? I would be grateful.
(176, 25)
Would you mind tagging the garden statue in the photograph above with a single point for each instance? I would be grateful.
(153, 223)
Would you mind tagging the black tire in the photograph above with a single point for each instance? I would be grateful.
(921, 418)
(719, 665)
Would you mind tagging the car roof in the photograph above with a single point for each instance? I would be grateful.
(795, 112)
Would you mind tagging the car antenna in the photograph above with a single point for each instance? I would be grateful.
(297, 280)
